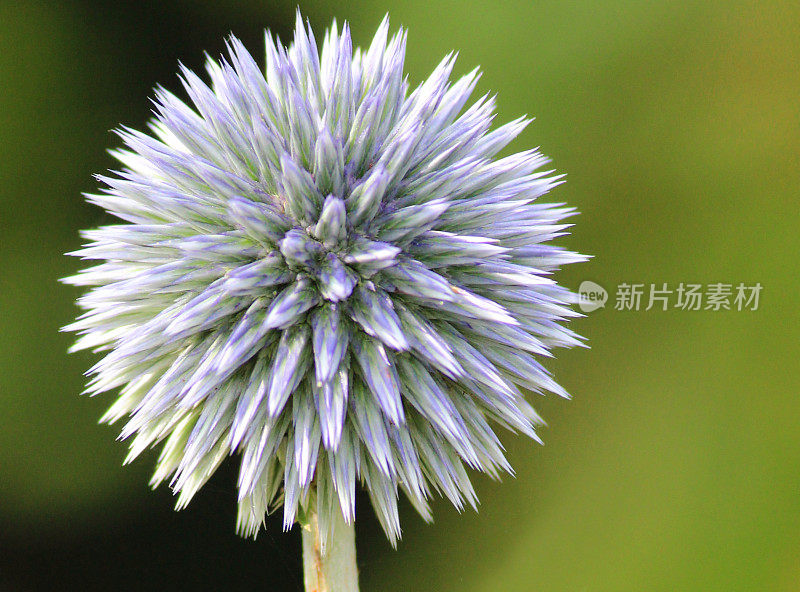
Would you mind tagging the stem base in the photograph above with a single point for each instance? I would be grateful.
(332, 569)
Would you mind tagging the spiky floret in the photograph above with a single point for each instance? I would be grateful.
(327, 274)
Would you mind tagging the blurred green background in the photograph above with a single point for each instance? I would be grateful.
(676, 466)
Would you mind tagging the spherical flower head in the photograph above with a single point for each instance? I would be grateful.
(328, 274)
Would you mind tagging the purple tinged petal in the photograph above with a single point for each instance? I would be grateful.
(369, 257)
(299, 249)
(414, 279)
(336, 281)
(406, 223)
(328, 164)
(343, 473)
(428, 397)
(253, 278)
(477, 366)
(330, 338)
(249, 335)
(302, 199)
(261, 221)
(250, 400)
(427, 343)
(331, 400)
(306, 436)
(373, 310)
(289, 366)
(370, 427)
(330, 228)
(365, 199)
(381, 377)
(291, 304)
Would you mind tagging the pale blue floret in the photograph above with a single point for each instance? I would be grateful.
(328, 274)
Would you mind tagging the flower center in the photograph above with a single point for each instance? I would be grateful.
(318, 262)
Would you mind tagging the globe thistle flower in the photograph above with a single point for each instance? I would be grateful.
(328, 274)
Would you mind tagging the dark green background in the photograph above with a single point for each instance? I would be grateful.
(675, 466)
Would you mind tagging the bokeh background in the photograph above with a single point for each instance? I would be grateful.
(676, 466)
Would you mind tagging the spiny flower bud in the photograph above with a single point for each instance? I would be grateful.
(327, 274)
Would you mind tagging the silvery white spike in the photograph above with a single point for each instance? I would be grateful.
(264, 446)
(373, 58)
(397, 151)
(524, 370)
(446, 248)
(452, 102)
(204, 311)
(485, 442)
(303, 130)
(477, 366)
(253, 279)
(361, 138)
(507, 335)
(491, 143)
(515, 414)
(472, 305)
(292, 491)
(337, 78)
(214, 247)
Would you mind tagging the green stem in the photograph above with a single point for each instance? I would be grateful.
(332, 569)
